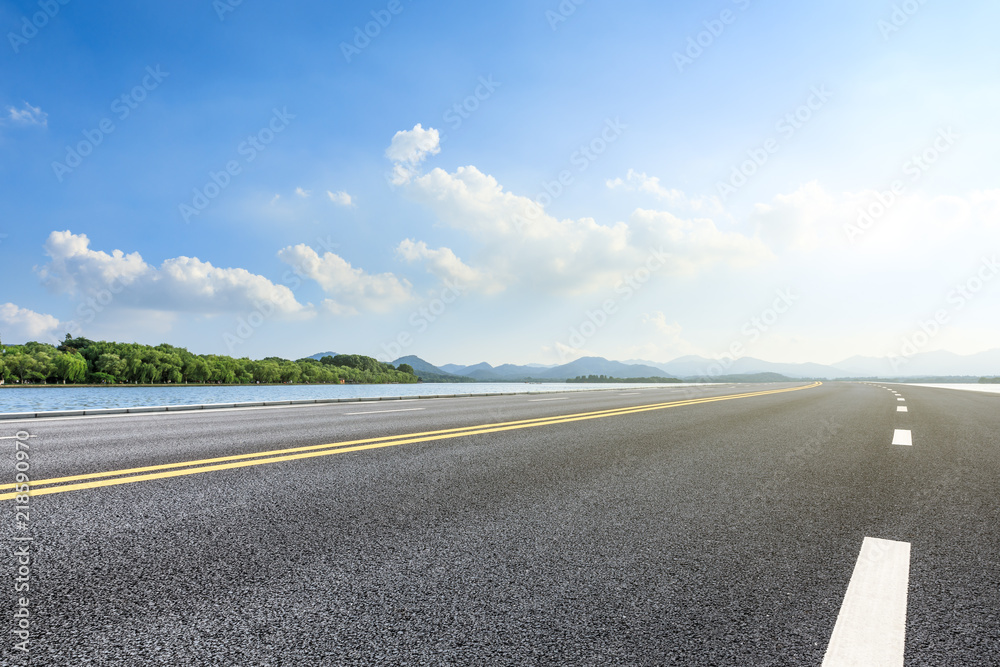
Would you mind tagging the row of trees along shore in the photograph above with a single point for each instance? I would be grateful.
(83, 361)
(605, 378)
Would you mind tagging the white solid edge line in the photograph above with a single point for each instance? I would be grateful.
(379, 412)
(535, 400)
(902, 437)
(902, 408)
(871, 626)
(206, 411)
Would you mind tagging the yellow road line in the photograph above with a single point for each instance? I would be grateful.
(464, 429)
(291, 454)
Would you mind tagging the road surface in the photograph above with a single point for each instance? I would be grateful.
(721, 525)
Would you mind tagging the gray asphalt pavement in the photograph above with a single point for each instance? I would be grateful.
(715, 533)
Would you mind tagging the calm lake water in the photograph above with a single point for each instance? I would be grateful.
(37, 399)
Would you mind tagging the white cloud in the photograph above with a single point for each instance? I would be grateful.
(561, 353)
(658, 339)
(801, 220)
(413, 146)
(527, 245)
(21, 325)
(696, 244)
(639, 182)
(180, 284)
(74, 267)
(302, 193)
(812, 219)
(445, 265)
(353, 290)
(339, 309)
(274, 199)
(658, 320)
(635, 181)
(340, 197)
(28, 115)
(192, 283)
(409, 148)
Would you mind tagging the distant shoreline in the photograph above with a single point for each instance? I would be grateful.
(200, 384)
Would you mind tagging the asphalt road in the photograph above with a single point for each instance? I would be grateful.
(709, 533)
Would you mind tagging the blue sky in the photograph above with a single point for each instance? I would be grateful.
(380, 189)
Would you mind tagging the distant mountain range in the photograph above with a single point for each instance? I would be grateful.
(484, 372)
(320, 355)
(695, 368)
(430, 373)
(701, 367)
(926, 364)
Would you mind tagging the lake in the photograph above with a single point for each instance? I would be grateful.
(38, 399)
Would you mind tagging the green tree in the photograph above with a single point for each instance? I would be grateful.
(111, 364)
(196, 369)
(223, 369)
(149, 373)
(21, 365)
(171, 363)
(70, 367)
(290, 372)
(81, 359)
(357, 361)
(133, 364)
(267, 372)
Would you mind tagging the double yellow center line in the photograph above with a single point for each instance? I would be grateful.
(127, 476)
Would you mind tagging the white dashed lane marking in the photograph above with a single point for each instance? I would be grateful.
(902, 408)
(902, 437)
(871, 626)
